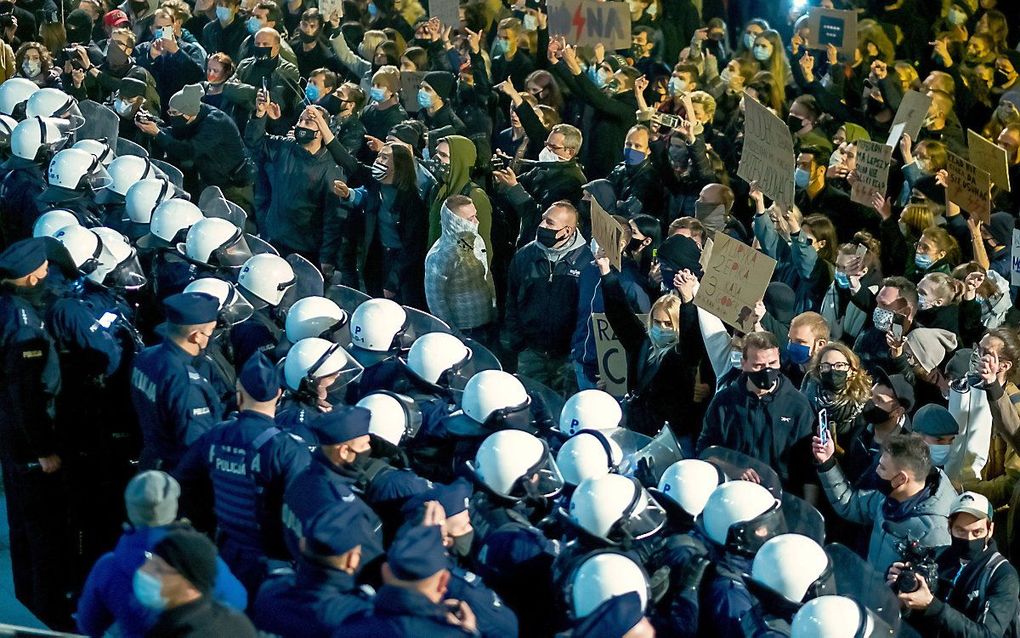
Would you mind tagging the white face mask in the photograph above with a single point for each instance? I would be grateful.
(31, 68)
(122, 107)
(545, 155)
(652, 10)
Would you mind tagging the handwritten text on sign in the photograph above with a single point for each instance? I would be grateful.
(612, 356)
(734, 282)
(1014, 270)
(969, 187)
(872, 171)
(767, 157)
(589, 22)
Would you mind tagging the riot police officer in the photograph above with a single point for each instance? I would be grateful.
(72, 178)
(234, 309)
(608, 594)
(33, 142)
(250, 462)
(263, 280)
(316, 373)
(170, 390)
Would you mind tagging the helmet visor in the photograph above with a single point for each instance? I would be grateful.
(540, 480)
(234, 253)
(127, 275)
(236, 308)
(642, 518)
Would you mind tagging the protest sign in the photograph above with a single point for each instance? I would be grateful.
(329, 7)
(734, 282)
(912, 111)
(410, 81)
(895, 133)
(969, 187)
(872, 171)
(989, 157)
(589, 22)
(448, 12)
(612, 358)
(831, 26)
(768, 156)
(1014, 268)
(607, 233)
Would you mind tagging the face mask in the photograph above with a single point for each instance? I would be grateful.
(801, 178)
(31, 68)
(874, 414)
(749, 39)
(939, 454)
(726, 75)
(263, 53)
(956, 17)
(177, 122)
(545, 155)
(530, 23)
(462, 544)
(424, 99)
(122, 107)
(794, 123)
(633, 157)
(547, 236)
(1000, 77)
(841, 279)
(635, 245)
(311, 92)
(378, 171)
(253, 25)
(764, 379)
(922, 261)
(377, 94)
(798, 353)
(924, 301)
(882, 319)
(835, 159)
(308, 37)
(304, 136)
(597, 77)
(736, 358)
(652, 10)
(224, 14)
(968, 548)
(662, 337)
(148, 590)
(678, 156)
(834, 380)
(676, 86)
(762, 53)
(501, 46)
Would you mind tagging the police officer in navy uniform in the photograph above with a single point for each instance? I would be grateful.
(411, 603)
(29, 446)
(173, 398)
(250, 462)
(343, 439)
(321, 594)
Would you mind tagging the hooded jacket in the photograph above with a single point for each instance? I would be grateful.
(213, 144)
(458, 182)
(458, 283)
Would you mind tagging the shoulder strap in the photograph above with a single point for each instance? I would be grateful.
(374, 469)
(265, 437)
(991, 566)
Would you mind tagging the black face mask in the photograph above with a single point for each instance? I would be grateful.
(635, 245)
(547, 236)
(36, 295)
(834, 380)
(1001, 79)
(262, 54)
(304, 136)
(795, 123)
(874, 107)
(361, 460)
(764, 379)
(462, 544)
(968, 549)
(177, 122)
(306, 37)
(874, 414)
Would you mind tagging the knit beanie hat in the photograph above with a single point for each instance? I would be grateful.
(441, 82)
(192, 555)
(930, 346)
(188, 100)
(151, 499)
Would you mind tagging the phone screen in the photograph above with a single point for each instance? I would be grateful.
(862, 250)
(897, 331)
(823, 425)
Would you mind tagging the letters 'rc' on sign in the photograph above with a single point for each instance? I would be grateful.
(768, 156)
(612, 356)
(734, 282)
(588, 22)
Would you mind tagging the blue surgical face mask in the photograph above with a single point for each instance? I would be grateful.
(922, 261)
(841, 279)
(939, 454)
(924, 302)
(762, 53)
(749, 39)
(662, 337)
(501, 45)
(676, 86)
(377, 94)
(736, 359)
(956, 17)
(224, 13)
(424, 99)
(798, 353)
(311, 92)
(633, 157)
(882, 318)
(148, 590)
(801, 178)
(253, 24)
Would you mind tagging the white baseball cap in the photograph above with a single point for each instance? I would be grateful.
(974, 504)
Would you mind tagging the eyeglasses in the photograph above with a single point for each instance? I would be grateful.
(555, 147)
(840, 366)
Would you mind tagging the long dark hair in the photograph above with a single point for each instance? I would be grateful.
(404, 175)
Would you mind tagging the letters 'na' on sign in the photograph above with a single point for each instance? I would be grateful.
(588, 22)
(768, 156)
(734, 282)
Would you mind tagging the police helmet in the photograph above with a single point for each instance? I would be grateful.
(118, 262)
(15, 91)
(832, 617)
(73, 169)
(37, 134)
(144, 196)
(615, 509)
(53, 220)
(309, 360)
(98, 148)
(602, 576)
(377, 325)
(313, 317)
(516, 465)
(128, 169)
(794, 567)
(7, 126)
(689, 483)
(234, 308)
(49, 102)
(741, 515)
(216, 242)
(395, 417)
(434, 354)
(265, 278)
(84, 246)
(590, 410)
(169, 219)
(493, 392)
(588, 454)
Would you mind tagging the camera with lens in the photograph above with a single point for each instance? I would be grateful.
(920, 561)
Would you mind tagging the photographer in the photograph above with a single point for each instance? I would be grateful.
(976, 592)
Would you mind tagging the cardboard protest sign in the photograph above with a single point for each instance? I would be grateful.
(1014, 262)
(873, 161)
(912, 111)
(607, 233)
(448, 12)
(768, 156)
(410, 81)
(831, 26)
(589, 22)
(988, 156)
(612, 358)
(969, 187)
(734, 282)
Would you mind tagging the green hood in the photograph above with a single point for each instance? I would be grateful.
(462, 160)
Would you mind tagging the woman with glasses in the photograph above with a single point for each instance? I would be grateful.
(836, 383)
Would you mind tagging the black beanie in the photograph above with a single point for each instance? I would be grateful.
(192, 555)
(78, 26)
(681, 252)
(441, 82)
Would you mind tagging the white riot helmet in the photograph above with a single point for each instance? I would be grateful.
(118, 263)
(377, 325)
(98, 148)
(434, 353)
(794, 567)
(51, 103)
(265, 279)
(588, 454)
(234, 308)
(128, 169)
(737, 513)
(615, 509)
(313, 317)
(216, 242)
(395, 418)
(72, 169)
(36, 134)
(53, 220)
(590, 410)
(602, 576)
(144, 196)
(84, 246)
(309, 360)
(168, 220)
(507, 462)
(832, 617)
(689, 483)
(15, 91)
(7, 126)
(493, 392)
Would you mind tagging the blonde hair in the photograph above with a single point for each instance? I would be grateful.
(858, 382)
(370, 42)
(670, 304)
(917, 218)
(945, 287)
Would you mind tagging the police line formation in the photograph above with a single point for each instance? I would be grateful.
(302, 319)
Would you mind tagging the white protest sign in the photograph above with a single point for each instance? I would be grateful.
(589, 22)
(872, 171)
(768, 156)
(913, 109)
(734, 281)
(1014, 261)
(612, 358)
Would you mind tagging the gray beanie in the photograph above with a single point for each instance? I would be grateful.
(151, 499)
(188, 100)
(930, 346)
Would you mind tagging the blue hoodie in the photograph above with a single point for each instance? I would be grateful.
(108, 596)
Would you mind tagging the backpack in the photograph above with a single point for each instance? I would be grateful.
(996, 561)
